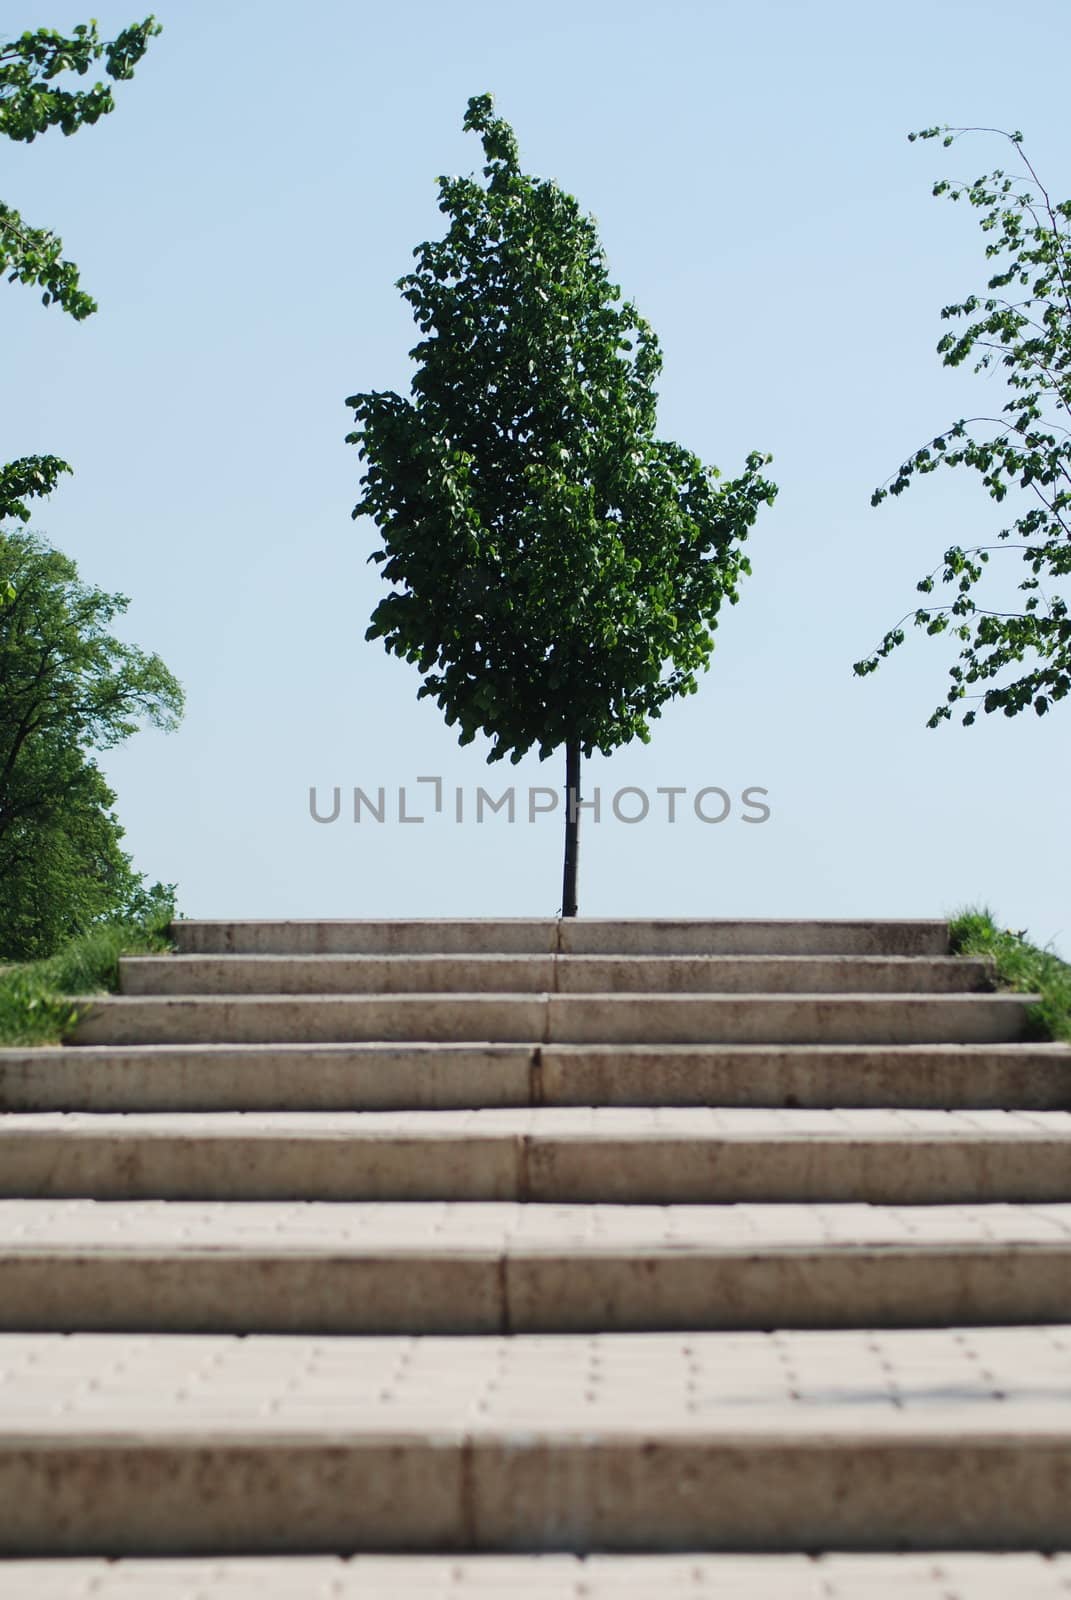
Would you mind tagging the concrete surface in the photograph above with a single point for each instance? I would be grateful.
(658, 1442)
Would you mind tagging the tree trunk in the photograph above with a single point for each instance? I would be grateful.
(572, 826)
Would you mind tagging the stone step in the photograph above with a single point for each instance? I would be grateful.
(910, 1439)
(343, 1077)
(570, 935)
(597, 975)
(557, 1019)
(642, 1155)
(343, 1268)
(993, 1575)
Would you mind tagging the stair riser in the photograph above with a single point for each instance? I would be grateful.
(316, 975)
(559, 1019)
(916, 1170)
(638, 1292)
(518, 1494)
(1011, 1077)
(441, 1077)
(265, 1077)
(580, 936)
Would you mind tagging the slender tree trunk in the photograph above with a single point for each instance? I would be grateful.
(572, 826)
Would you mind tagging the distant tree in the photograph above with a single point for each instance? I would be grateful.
(68, 689)
(556, 569)
(1022, 324)
(32, 101)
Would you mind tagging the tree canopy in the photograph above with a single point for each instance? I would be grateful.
(1020, 327)
(68, 689)
(556, 569)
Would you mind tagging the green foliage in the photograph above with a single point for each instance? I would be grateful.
(25, 479)
(35, 998)
(31, 102)
(68, 688)
(1019, 965)
(21, 481)
(31, 1012)
(556, 570)
(62, 868)
(34, 255)
(1021, 327)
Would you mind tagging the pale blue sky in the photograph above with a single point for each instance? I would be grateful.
(242, 218)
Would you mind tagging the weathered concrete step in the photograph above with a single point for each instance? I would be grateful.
(618, 1154)
(501, 974)
(319, 1268)
(558, 1019)
(993, 1575)
(344, 1077)
(794, 1441)
(570, 935)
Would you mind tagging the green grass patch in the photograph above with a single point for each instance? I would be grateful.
(40, 1001)
(1019, 965)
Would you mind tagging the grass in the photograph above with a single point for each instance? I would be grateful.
(39, 1000)
(1019, 965)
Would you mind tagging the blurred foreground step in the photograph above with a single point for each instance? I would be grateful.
(558, 1019)
(569, 936)
(613, 1154)
(370, 1076)
(924, 1440)
(932, 1576)
(320, 1268)
(568, 974)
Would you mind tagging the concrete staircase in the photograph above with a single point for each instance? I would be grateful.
(541, 1258)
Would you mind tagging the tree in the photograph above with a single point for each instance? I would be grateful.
(31, 102)
(68, 689)
(557, 571)
(1023, 326)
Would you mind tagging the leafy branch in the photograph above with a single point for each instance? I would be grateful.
(32, 102)
(1030, 455)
